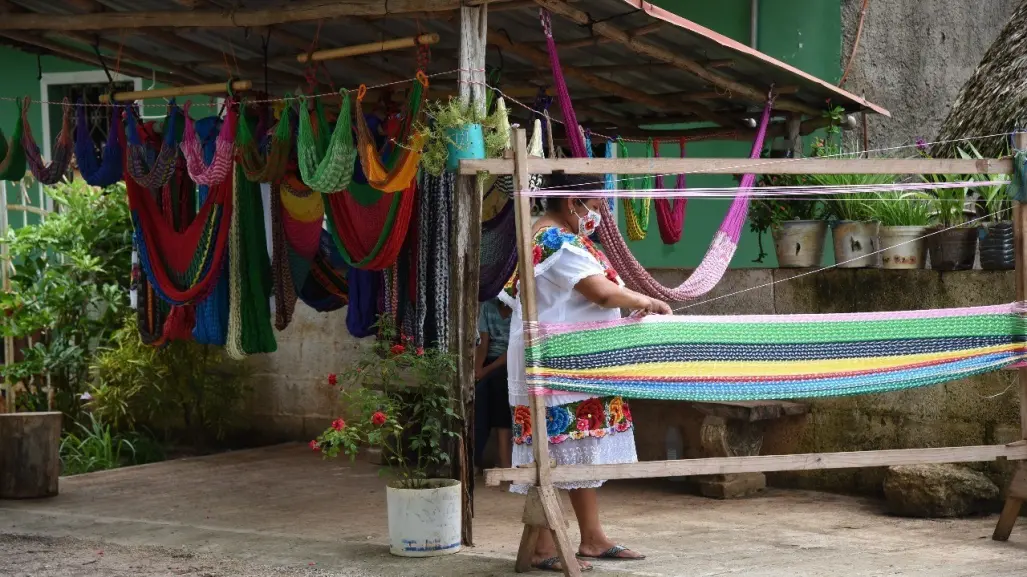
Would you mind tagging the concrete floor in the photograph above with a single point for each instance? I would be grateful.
(286, 508)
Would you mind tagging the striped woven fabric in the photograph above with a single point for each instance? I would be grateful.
(745, 358)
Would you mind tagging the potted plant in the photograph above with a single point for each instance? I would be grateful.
(952, 245)
(397, 400)
(456, 131)
(797, 226)
(904, 218)
(996, 231)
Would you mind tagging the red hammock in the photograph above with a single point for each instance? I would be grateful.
(670, 212)
(359, 227)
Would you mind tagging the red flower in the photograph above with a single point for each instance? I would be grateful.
(315, 446)
(378, 418)
(420, 351)
(338, 424)
(398, 349)
(332, 379)
(536, 254)
(592, 412)
(627, 411)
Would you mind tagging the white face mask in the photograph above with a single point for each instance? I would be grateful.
(590, 222)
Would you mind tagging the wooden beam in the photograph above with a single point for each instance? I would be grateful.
(498, 166)
(541, 59)
(194, 90)
(213, 59)
(611, 31)
(598, 40)
(368, 48)
(764, 463)
(301, 11)
(90, 58)
(138, 57)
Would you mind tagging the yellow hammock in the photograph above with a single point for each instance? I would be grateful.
(405, 168)
(636, 211)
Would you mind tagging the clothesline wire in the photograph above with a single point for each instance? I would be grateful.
(775, 192)
(822, 269)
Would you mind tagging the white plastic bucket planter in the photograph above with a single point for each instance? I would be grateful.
(424, 522)
(903, 247)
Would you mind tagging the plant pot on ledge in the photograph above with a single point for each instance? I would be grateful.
(953, 248)
(903, 247)
(997, 245)
(799, 243)
(855, 244)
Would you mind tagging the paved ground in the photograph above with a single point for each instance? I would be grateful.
(281, 511)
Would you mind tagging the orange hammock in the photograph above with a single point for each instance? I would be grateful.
(405, 168)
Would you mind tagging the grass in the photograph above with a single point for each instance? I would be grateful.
(96, 448)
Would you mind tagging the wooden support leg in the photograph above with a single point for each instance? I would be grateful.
(1015, 497)
(542, 512)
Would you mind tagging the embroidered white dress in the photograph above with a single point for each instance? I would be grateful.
(563, 260)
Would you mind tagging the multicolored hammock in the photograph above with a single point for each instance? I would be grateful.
(498, 252)
(637, 210)
(221, 166)
(670, 212)
(258, 166)
(12, 167)
(326, 163)
(211, 312)
(398, 174)
(326, 287)
(157, 172)
(745, 358)
(110, 168)
(62, 150)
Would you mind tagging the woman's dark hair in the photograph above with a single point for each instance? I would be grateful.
(559, 180)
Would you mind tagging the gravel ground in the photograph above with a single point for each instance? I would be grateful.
(32, 556)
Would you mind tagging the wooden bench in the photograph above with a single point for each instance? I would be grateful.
(735, 429)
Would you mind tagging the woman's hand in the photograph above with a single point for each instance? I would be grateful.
(658, 307)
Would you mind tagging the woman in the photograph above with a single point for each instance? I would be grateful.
(490, 392)
(574, 283)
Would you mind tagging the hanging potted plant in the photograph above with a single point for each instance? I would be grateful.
(797, 226)
(397, 399)
(996, 231)
(904, 218)
(456, 131)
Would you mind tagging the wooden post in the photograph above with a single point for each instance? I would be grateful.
(197, 89)
(1016, 493)
(29, 455)
(465, 261)
(542, 507)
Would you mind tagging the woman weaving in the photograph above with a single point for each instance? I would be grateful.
(575, 283)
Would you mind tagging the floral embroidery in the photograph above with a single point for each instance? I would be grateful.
(589, 418)
(548, 241)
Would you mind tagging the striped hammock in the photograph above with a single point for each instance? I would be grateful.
(747, 358)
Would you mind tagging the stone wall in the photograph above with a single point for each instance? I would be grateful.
(914, 56)
(981, 410)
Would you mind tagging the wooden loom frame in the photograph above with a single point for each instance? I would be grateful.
(542, 509)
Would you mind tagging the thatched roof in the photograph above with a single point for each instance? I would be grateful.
(994, 99)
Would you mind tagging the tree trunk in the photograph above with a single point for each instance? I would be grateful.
(29, 455)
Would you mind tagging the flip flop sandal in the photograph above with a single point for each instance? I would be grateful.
(550, 565)
(613, 553)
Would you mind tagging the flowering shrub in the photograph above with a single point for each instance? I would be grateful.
(396, 398)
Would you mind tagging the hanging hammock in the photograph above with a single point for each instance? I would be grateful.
(637, 210)
(398, 174)
(249, 318)
(326, 163)
(670, 212)
(283, 283)
(326, 287)
(110, 169)
(258, 166)
(725, 242)
(62, 149)
(211, 312)
(362, 313)
(183, 266)
(431, 325)
(150, 309)
(219, 168)
(12, 167)
(161, 169)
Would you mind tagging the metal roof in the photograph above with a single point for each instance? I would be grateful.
(611, 84)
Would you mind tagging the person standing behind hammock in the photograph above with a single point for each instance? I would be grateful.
(490, 391)
(574, 283)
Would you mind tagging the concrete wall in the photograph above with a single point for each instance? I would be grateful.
(913, 57)
(981, 410)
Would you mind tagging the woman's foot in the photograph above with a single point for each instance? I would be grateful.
(554, 564)
(607, 550)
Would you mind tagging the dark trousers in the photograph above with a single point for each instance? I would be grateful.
(491, 409)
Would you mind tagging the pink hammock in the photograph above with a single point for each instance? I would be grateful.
(725, 242)
(670, 212)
